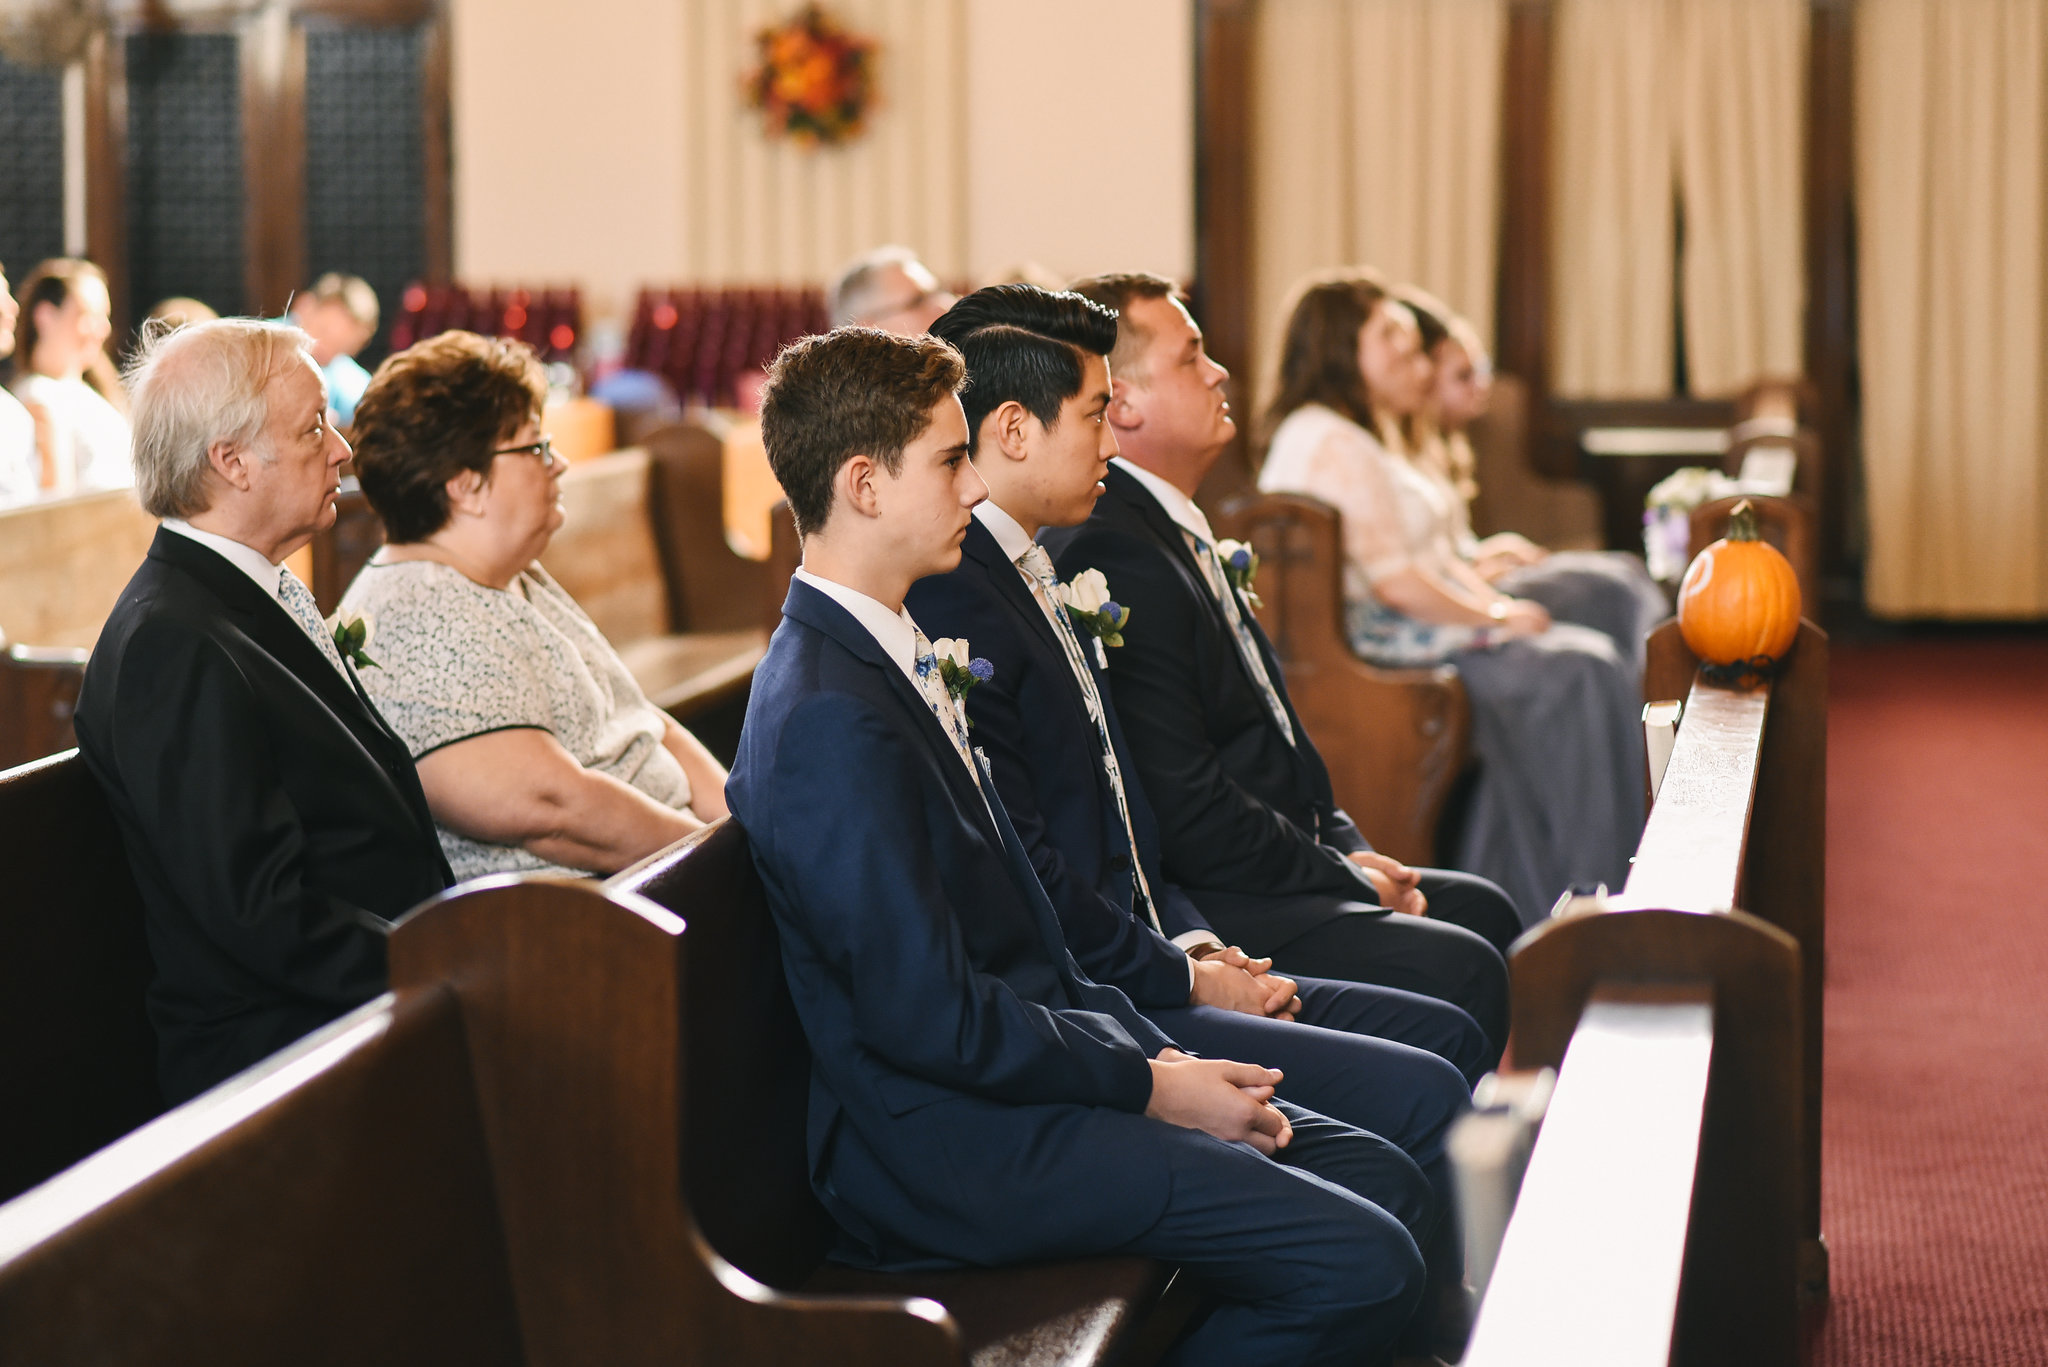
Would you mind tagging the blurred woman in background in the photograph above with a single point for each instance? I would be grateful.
(1559, 798)
(21, 467)
(1610, 591)
(65, 378)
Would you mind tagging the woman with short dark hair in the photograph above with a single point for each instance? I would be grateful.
(537, 750)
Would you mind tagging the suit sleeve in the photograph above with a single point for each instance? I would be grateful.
(1109, 944)
(856, 864)
(1213, 832)
(200, 776)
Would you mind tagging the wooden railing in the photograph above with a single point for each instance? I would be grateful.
(1671, 1207)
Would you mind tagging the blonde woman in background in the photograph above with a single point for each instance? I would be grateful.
(1610, 591)
(65, 378)
(1558, 799)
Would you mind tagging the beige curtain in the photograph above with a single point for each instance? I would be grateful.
(1376, 140)
(1612, 172)
(1951, 107)
(765, 210)
(1741, 130)
(1654, 102)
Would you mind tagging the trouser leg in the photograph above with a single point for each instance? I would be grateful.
(1311, 1259)
(1413, 953)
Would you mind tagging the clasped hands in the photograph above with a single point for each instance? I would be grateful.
(1233, 980)
(1232, 1101)
(1399, 887)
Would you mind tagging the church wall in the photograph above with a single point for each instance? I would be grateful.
(617, 153)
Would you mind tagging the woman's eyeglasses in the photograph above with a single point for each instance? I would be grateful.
(544, 448)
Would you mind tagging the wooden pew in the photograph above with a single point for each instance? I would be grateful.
(63, 563)
(1671, 1208)
(1514, 496)
(1395, 740)
(571, 1133)
(77, 1055)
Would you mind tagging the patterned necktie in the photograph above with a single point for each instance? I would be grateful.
(297, 599)
(932, 685)
(1247, 646)
(1037, 565)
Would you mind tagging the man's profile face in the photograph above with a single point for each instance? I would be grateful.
(298, 470)
(910, 300)
(1177, 390)
(926, 506)
(1067, 461)
(9, 312)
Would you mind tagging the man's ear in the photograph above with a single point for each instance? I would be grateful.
(232, 464)
(465, 489)
(1123, 408)
(1006, 430)
(858, 484)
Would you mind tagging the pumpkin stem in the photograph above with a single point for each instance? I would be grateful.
(1742, 522)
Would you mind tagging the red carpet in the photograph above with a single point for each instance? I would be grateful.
(1935, 1195)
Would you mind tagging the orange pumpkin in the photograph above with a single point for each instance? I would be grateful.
(1738, 604)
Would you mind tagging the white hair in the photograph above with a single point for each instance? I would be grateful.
(862, 284)
(192, 386)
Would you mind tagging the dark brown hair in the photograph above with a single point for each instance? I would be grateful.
(854, 391)
(434, 410)
(1319, 348)
(1118, 291)
(53, 282)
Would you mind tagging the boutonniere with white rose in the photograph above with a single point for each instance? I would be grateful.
(1240, 567)
(1090, 608)
(959, 668)
(352, 632)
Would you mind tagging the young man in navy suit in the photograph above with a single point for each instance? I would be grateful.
(976, 1099)
(1038, 387)
(1247, 818)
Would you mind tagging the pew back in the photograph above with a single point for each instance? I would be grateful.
(63, 563)
(77, 1055)
(1395, 740)
(330, 1205)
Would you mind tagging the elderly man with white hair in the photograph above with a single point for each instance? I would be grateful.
(274, 823)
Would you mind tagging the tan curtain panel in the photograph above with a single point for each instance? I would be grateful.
(1654, 102)
(762, 210)
(1951, 107)
(1741, 131)
(1376, 127)
(1612, 177)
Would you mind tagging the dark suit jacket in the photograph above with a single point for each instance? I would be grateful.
(274, 823)
(975, 1097)
(1032, 720)
(1239, 808)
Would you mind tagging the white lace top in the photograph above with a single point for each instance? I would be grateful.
(1395, 517)
(457, 659)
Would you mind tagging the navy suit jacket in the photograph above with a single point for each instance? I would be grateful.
(1240, 809)
(1032, 720)
(975, 1097)
(274, 823)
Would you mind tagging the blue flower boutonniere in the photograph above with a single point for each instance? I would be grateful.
(1240, 567)
(959, 668)
(352, 632)
(1090, 608)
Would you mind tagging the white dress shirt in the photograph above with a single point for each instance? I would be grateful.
(247, 559)
(1182, 509)
(21, 464)
(894, 632)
